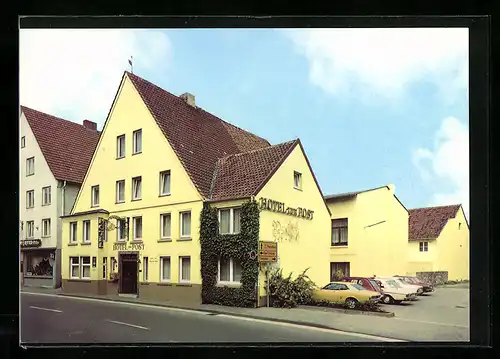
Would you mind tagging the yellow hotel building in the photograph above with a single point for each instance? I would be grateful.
(135, 228)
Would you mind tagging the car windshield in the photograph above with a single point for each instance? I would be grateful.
(393, 283)
(375, 284)
(357, 286)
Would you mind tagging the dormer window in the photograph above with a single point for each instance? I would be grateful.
(297, 180)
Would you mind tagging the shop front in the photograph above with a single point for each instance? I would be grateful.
(38, 264)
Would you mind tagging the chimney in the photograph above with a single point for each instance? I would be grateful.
(189, 98)
(392, 188)
(90, 125)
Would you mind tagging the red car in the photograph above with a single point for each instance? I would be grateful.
(367, 283)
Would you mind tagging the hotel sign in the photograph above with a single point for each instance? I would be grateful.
(280, 207)
(268, 251)
(128, 246)
(31, 243)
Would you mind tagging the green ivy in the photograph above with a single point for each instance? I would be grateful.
(236, 246)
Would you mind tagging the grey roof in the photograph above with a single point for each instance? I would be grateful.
(350, 194)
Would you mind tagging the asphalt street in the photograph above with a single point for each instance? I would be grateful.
(52, 319)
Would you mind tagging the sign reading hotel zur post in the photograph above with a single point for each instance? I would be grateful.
(31, 243)
(128, 246)
(268, 251)
(280, 207)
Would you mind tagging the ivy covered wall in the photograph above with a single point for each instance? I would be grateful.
(236, 246)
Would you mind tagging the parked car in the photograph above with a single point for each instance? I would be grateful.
(392, 292)
(350, 294)
(414, 280)
(367, 283)
(416, 288)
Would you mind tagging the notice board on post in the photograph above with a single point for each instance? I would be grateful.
(268, 252)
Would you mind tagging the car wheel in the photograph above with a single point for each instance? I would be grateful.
(351, 303)
(388, 299)
(397, 301)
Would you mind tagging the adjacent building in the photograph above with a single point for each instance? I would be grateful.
(160, 161)
(369, 233)
(54, 156)
(439, 241)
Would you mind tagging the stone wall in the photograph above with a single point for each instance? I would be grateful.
(433, 278)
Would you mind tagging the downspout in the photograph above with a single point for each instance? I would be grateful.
(57, 274)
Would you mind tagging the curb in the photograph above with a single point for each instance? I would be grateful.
(218, 312)
(350, 311)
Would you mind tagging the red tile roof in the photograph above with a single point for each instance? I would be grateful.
(241, 175)
(427, 223)
(67, 146)
(198, 138)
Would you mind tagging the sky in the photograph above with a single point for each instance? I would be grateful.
(371, 106)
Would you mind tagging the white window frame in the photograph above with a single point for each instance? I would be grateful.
(105, 268)
(46, 234)
(73, 228)
(71, 265)
(117, 187)
(30, 193)
(162, 233)
(163, 175)
(135, 135)
(134, 219)
(190, 224)
(23, 141)
(93, 202)
(231, 273)
(119, 231)
(30, 224)
(82, 265)
(298, 175)
(86, 233)
(145, 269)
(136, 182)
(181, 259)
(231, 219)
(46, 195)
(30, 166)
(423, 246)
(168, 280)
(120, 148)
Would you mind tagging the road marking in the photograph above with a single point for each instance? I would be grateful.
(324, 330)
(47, 309)
(127, 324)
(435, 323)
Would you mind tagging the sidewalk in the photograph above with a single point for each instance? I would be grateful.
(370, 325)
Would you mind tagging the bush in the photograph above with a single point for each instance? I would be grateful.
(365, 307)
(287, 293)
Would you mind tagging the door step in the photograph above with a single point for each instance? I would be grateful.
(127, 295)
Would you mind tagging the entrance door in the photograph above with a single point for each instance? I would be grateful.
(128, 277)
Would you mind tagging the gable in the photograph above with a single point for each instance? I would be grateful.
(427, 223)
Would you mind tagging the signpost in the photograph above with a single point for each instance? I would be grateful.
(268, 253)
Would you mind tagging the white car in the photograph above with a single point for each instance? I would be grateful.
(392, 292)
(416, 288)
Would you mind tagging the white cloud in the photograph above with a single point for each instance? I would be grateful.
(385, 60)
(448, 162)
(75, 73)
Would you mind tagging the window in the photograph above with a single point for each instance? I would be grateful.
(74, 267)
(229, 270)
(72, 232)
(46, 227)
(105, 268)
(144, 269)
(137, 139)
(424, 246)
(297, 180)
(86, 231)
(342, 267)
(114, 264)
(46, 196)
(459, 225)
(229, 220)
(95, 196)
(30, 199)
(342, 287)
(164, 183)
(120, 146)
(137, 228)
(186, 224)
(120, 191)
(30, 166)
(165, 269)
(185, 269)
(339, 232)
(23, 142)
(121, 230)
(85, 267)
(136, 188)
(30, 229)
(166, 225)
